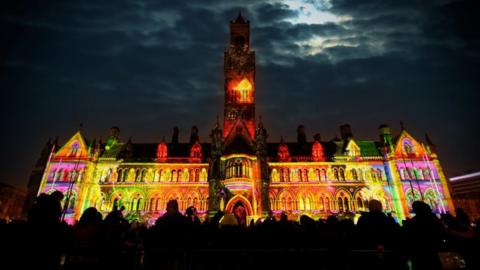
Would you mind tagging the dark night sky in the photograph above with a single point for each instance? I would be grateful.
(148, 65)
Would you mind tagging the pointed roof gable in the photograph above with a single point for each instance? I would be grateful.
(239, 145)
(76, 147)
(238, 125)
(239, 18)
(352, 149)
(407, 146)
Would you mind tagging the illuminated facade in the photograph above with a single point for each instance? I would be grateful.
(240, 167)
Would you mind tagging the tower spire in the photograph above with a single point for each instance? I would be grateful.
(239, 74)
(239, 18)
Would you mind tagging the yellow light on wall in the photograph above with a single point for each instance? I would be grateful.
(244, 90)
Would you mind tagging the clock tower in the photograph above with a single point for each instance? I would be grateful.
(239, 73)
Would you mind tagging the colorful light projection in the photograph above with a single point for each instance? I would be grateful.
(317, 152)
(243, 91)
(340, 180)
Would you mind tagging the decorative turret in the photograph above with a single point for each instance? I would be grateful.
(317, 149)
(386, 143)
(46, 150)
(196, 150)
(283, 152)
(346, 132)
(127, 150)
(112, 139)
(301, 136)
(162, 150)
(175, 135)
(431, 147)
(194, 135)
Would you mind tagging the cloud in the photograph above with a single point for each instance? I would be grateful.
(148, 65)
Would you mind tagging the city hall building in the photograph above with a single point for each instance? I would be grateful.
(240, 167)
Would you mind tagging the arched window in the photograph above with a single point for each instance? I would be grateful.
(133, 204)
(204, 175)
(138, 175)
(168, 175)
(149, 177)
(115, 204)
(152, 204)
(283, 203)
(408, 147)
(359, 203)
(335, 174)
(342, 174)
(301, 205)
(119, 175)
(139, 204)
(293, 175)
(289, 203)
(346, 204)
(317, 174)
(308, 205)
(158, 204)
(340, 204)
(195, 202)
(282, 175)
(174, 176)
(321, 204)
(373, 174)
(327, 204)
(71, 202)
(63, 175)
(274, 175)
(426, 174)
(354, 174)
(197, 175)
(324, 174)
(379, 175)
(272, 203)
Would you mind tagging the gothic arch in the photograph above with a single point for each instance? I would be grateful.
(243, 200)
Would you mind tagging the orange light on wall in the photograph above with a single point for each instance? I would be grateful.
(244, 91)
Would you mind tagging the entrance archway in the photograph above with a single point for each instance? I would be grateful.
(239, 199)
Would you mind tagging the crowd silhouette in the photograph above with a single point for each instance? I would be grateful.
(225, 241)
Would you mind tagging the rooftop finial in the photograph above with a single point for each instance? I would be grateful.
(402, 126)
(239, 18)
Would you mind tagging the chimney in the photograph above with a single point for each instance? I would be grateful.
(194, 135)
(175, 135)
(301, 136)
(114, 132)
(386, 143)
(346, 132)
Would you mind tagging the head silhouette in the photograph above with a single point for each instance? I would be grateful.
(172, 206)
(57, 196)
(421, 209)
(375, 205)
